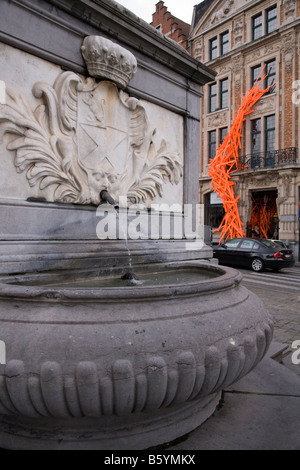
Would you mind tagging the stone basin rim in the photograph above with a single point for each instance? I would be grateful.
(227, 278)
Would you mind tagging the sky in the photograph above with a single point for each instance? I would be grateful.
(182, 9)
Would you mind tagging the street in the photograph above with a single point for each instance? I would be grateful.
(280, 292)
(261, 411)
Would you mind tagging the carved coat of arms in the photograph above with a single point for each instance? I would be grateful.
(89, 135)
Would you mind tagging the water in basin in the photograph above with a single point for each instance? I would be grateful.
(175, 276)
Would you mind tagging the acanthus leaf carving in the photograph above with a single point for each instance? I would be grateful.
(44, 145)
(160, 167)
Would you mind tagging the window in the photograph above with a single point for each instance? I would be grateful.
(223, 134)
(214, 211)
(219, 45)
(224, 93)
(255, 142)
(212, 97)
(271, 19)
(213, 48)
(267, 158)
(264, 22)
(218, 95)
(247, 244)
(213, 140)
(269, 140)
(255, 71)
(257, 26)
(233, 243)
(255, 135)
(270, 132)
(212, 144)
(271, 71)
(224, 43)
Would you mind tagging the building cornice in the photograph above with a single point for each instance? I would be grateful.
(109, 17)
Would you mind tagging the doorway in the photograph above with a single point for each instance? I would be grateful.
(264, 215)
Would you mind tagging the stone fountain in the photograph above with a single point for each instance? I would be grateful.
(90, 359)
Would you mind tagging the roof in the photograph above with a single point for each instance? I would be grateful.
(200, 10)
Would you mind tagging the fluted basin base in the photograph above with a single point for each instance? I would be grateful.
(92, 366)
(154, 428)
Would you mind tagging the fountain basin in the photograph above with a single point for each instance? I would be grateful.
(110, 366)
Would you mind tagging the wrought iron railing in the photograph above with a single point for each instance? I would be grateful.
(270, 158)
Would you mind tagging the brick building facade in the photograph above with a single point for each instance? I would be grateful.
(237, 38)
(170, 26)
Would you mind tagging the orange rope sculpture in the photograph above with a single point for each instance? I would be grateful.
(227, 162)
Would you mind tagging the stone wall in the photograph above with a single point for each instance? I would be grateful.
(68, 132)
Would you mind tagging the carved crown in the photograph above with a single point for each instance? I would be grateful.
(106, 59)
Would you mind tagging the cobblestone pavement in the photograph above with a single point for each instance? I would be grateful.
(280, 292)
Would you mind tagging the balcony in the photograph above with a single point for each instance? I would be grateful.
(272, 158)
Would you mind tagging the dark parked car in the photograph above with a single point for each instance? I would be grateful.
(257, 254)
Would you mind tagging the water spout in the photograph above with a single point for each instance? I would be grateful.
(106, 197)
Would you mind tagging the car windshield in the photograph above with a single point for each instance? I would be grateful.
(269, 244)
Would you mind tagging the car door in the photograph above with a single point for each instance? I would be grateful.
(228, 254)
(246, 251)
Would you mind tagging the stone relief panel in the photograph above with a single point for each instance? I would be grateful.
(285, 188)
(288, 50)
(271, 48)
(223, 12)
(238, 31)
(262, 180)
(218, 119)
(290, 7)
(255, 55)
(224, 68)
(85, 135)
(198, 49)
(264, 105)
(237, 66)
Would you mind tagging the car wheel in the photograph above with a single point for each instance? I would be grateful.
(257, 265)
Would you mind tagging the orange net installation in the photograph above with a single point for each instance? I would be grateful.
(226, 162)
